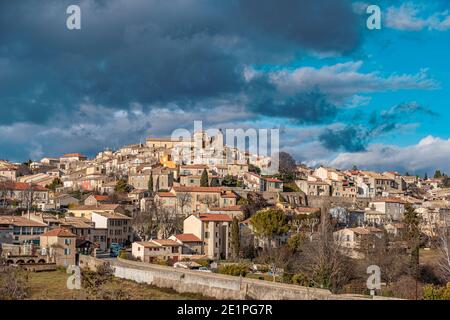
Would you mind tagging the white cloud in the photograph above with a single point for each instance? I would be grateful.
(344, 80)
(429, 154)
(408, 17)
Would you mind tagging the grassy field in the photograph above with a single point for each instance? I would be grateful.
(52, 286)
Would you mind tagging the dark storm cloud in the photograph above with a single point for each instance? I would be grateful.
(154, 51)
(355, 137)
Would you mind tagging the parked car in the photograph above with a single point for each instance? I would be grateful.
(204, 269)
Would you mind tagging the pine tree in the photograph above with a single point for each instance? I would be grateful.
(204, 182)
(425, 177)
(437, 174)
(235, 241)
(412, 220)
(150, 183)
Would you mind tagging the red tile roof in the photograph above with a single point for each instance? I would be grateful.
(197, 189)
(215, 217)
(166, 195)
(228, 208)
(20, 221)
(187, 237)
(59, 232)
(101, 198)
(21, 186)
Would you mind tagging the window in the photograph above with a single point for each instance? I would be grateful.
(66, 251)
(206, 235)
(67, 242)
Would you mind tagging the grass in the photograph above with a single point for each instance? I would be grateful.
(430, 257)
(52, 286)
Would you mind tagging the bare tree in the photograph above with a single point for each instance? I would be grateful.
(322, 259)
(444, 249)
(184, 199)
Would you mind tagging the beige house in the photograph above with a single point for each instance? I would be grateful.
(60, 245)
(150, 251)
(119, 229)
(26, 194)
(86, 210)
(21, 229)
(354, 241)
(191, 244)
(85, 229)
(232, 211)
(392, 208)
(314, 188)
(213, 230)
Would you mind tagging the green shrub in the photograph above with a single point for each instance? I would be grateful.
(234, 269)
(301, 280)
(431, 292)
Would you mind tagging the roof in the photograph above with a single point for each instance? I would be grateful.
(166, 242)
(101, 198)
(166, 195)
(112, 215)
(214, 217)
(272, 179)
(366, 230)
(71, 155)
(22, 186)
(197, 189)
(194, 166)
(20, 221)
(390, 200)
(59, 232)
(228, 208)
(105, 206)
(187, 237)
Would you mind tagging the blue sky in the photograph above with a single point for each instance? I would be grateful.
(343, 95)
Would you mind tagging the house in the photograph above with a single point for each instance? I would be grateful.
(232, 211)
(355, 241)
(118, 226)
(191, 244)
(256, 182)
(63, 201)
(157, 249)
(72, 157)
(86, 211)
(94, 200)
(392, 208)
(314, 188)
(85, 229)
(21, 230)
(60, 245)
(213, 230)
(26, 195)
(396, 229)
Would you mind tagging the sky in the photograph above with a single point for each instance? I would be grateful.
(341, 94)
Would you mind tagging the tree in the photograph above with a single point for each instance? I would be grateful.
(255, 202)
(204, 179)
(235, 241)
(13, 284)
(444, 250)
(412, 220)
(122, 186)
(229, 181)
(437, 174)
(184, 199)
(286, 166)
(56, 183)
(254, 169)
(150, 184)
(215, 182)
(269, 223)
(425, 177)
(322, 260)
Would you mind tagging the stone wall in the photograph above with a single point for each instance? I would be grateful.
(211, 284)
